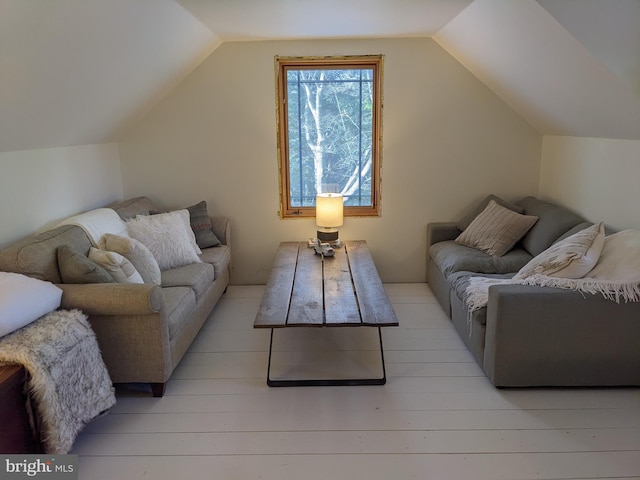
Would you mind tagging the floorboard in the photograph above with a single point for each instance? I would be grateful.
(438, 417)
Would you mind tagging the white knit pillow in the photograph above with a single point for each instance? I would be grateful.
(572, 257)
(496, 229)
(168, 236)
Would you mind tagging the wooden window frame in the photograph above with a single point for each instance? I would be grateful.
(282, 65)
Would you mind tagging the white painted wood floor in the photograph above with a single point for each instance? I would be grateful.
(437, 417)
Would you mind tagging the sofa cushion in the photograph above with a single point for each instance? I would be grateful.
(78, 268)
(179, 302)
(197, 276)
(451, 257)
(496, 230)
(460, 282)
(133, 207)
(553, 221)
(465, 221)
(219, 257)
(201, 225)
(121, 269)
(168, 236)
(572, 257)
(139, 256)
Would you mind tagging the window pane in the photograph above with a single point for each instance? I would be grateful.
(330, 134)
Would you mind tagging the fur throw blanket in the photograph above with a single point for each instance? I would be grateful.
(616, 275)
(69, 383)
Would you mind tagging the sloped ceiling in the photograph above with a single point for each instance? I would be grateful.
(560, 85)
(295, 19)
(76, 72)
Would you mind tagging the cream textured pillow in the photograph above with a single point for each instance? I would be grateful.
(24, 299)
(168, 236)
(140, 256)
(572, 257)
(496, 230)
(118, 266)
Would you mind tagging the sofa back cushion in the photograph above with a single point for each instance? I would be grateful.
(465, 221)
(134, 206)
(553, 221)
(451, 257)
(36, 255)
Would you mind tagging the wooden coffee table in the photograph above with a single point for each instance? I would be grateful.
(308, 290)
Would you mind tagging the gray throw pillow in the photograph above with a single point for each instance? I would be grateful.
(201, 225)
(78, 268)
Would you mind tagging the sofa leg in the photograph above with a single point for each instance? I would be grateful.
(157, 389)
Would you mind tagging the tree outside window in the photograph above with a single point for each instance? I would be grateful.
(329, 132)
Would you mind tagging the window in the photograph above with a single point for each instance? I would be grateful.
(329, 132)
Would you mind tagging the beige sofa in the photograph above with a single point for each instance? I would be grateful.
(143, 330)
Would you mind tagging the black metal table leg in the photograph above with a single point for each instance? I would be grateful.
(329, 382)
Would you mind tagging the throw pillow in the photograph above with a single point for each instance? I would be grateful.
(118, 266)
(77, 268)
(496, 230)
(465, 221)
(572, 257)
(24, 299)
(201, 225)
(140, 256)
(168, 236)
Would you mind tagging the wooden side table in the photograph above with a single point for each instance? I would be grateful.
(16, 434)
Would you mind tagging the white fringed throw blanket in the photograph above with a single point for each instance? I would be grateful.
(478, 289)
(616, 276)
(69, 382)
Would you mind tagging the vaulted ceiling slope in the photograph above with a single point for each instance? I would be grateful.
(76, 72)
(582, 79)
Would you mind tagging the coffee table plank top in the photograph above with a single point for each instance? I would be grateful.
(375, 307)
(275, 303)
(305, 289)
(306, 308)
(341, 306)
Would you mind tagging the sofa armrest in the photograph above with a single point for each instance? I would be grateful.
(221, 228)
(441, 231)
(113, 298)
(543, 336)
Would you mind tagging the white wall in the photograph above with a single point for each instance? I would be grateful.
(40, 187)
(594, 176)
(448, 141)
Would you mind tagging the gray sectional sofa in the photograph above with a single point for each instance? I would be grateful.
(143, 329)
(529, 335)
